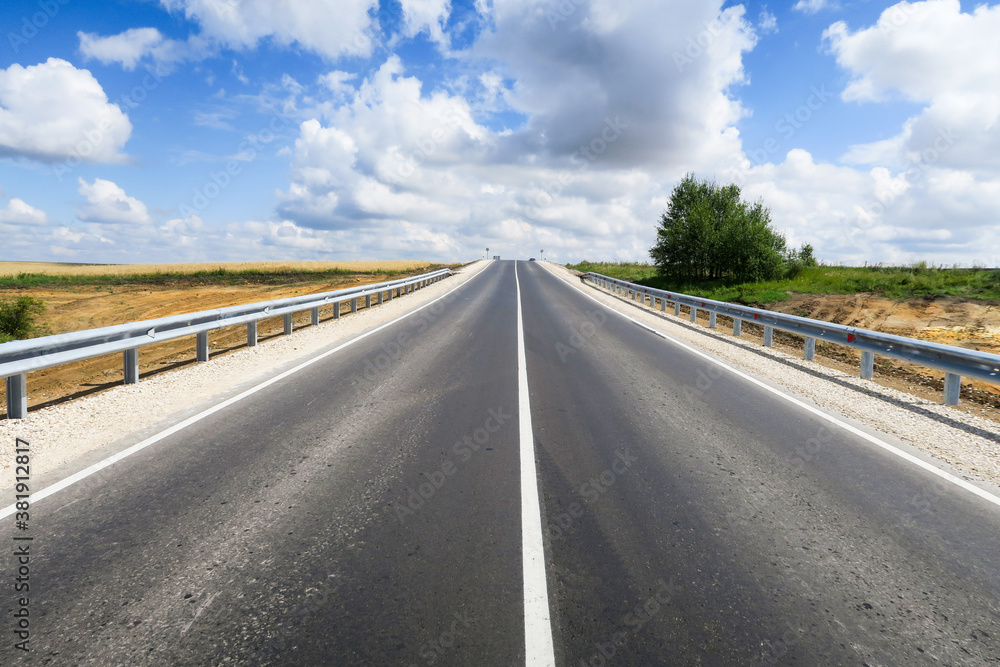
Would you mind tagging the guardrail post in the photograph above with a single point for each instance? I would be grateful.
(867, 365)
(663, 304)
(131, 359)
(17, 396)
(952, 388)
(711, 320)
(694, 313)
(336, 310)
(315, 316)
(288, 323)
(677, 309)
(251, 333)
(354, 304)
(368, 300)
(768, 336)
(379, 300)
(810, 352)
(737, 326)
(201, 345)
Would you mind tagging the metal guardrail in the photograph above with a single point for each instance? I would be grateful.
(956, 362)
(18, 358)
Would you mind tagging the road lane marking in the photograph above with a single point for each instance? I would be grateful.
(537, 622)
(906, 456)
(139, 446)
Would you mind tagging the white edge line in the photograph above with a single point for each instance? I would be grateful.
(125, 453)
(906, 456)
(538, 649)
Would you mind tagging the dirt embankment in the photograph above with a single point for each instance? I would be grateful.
(89, 307)
(952, 321)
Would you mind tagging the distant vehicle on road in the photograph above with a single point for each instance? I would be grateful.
(531, 259)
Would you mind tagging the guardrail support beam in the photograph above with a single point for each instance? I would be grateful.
(17, 396)
(201, 345)
(368, 300)
(694, 313)
(131, 362)
(711, 320)
(663, 305)
(354, 304)
(737, 326)
(315, 316)
(768, 336)
(379, 300)
(288, 324)
(251, 333)
(952, 388)
(810, 352)
(867, 365)
(677, 309)
(336, 310)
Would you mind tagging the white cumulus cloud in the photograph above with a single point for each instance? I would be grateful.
(108, 203)
(17, 212)
(331, 28)
(126, 48)
(53, 111)
(934, 54)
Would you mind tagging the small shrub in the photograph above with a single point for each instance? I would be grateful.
(19, 318)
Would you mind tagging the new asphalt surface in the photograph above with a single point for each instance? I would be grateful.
(367, 511)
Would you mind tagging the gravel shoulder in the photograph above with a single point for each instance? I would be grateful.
(69, 436)
(967, 444)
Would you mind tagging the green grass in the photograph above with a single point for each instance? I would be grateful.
(215, 277)
(896, 282)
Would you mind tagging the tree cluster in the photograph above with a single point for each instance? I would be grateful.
(709, 233)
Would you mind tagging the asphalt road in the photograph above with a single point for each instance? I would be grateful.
(368, 511)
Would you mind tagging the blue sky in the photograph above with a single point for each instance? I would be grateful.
(211, 130)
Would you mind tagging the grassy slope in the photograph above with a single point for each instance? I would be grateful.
(892, 282)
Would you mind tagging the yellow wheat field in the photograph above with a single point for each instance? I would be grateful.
(56, 268)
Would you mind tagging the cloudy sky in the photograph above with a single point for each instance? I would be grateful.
(204, 130)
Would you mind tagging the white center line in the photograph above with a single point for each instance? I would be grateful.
(537, 624)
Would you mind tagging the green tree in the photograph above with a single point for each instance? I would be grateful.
(19, 318)
(709, 233)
